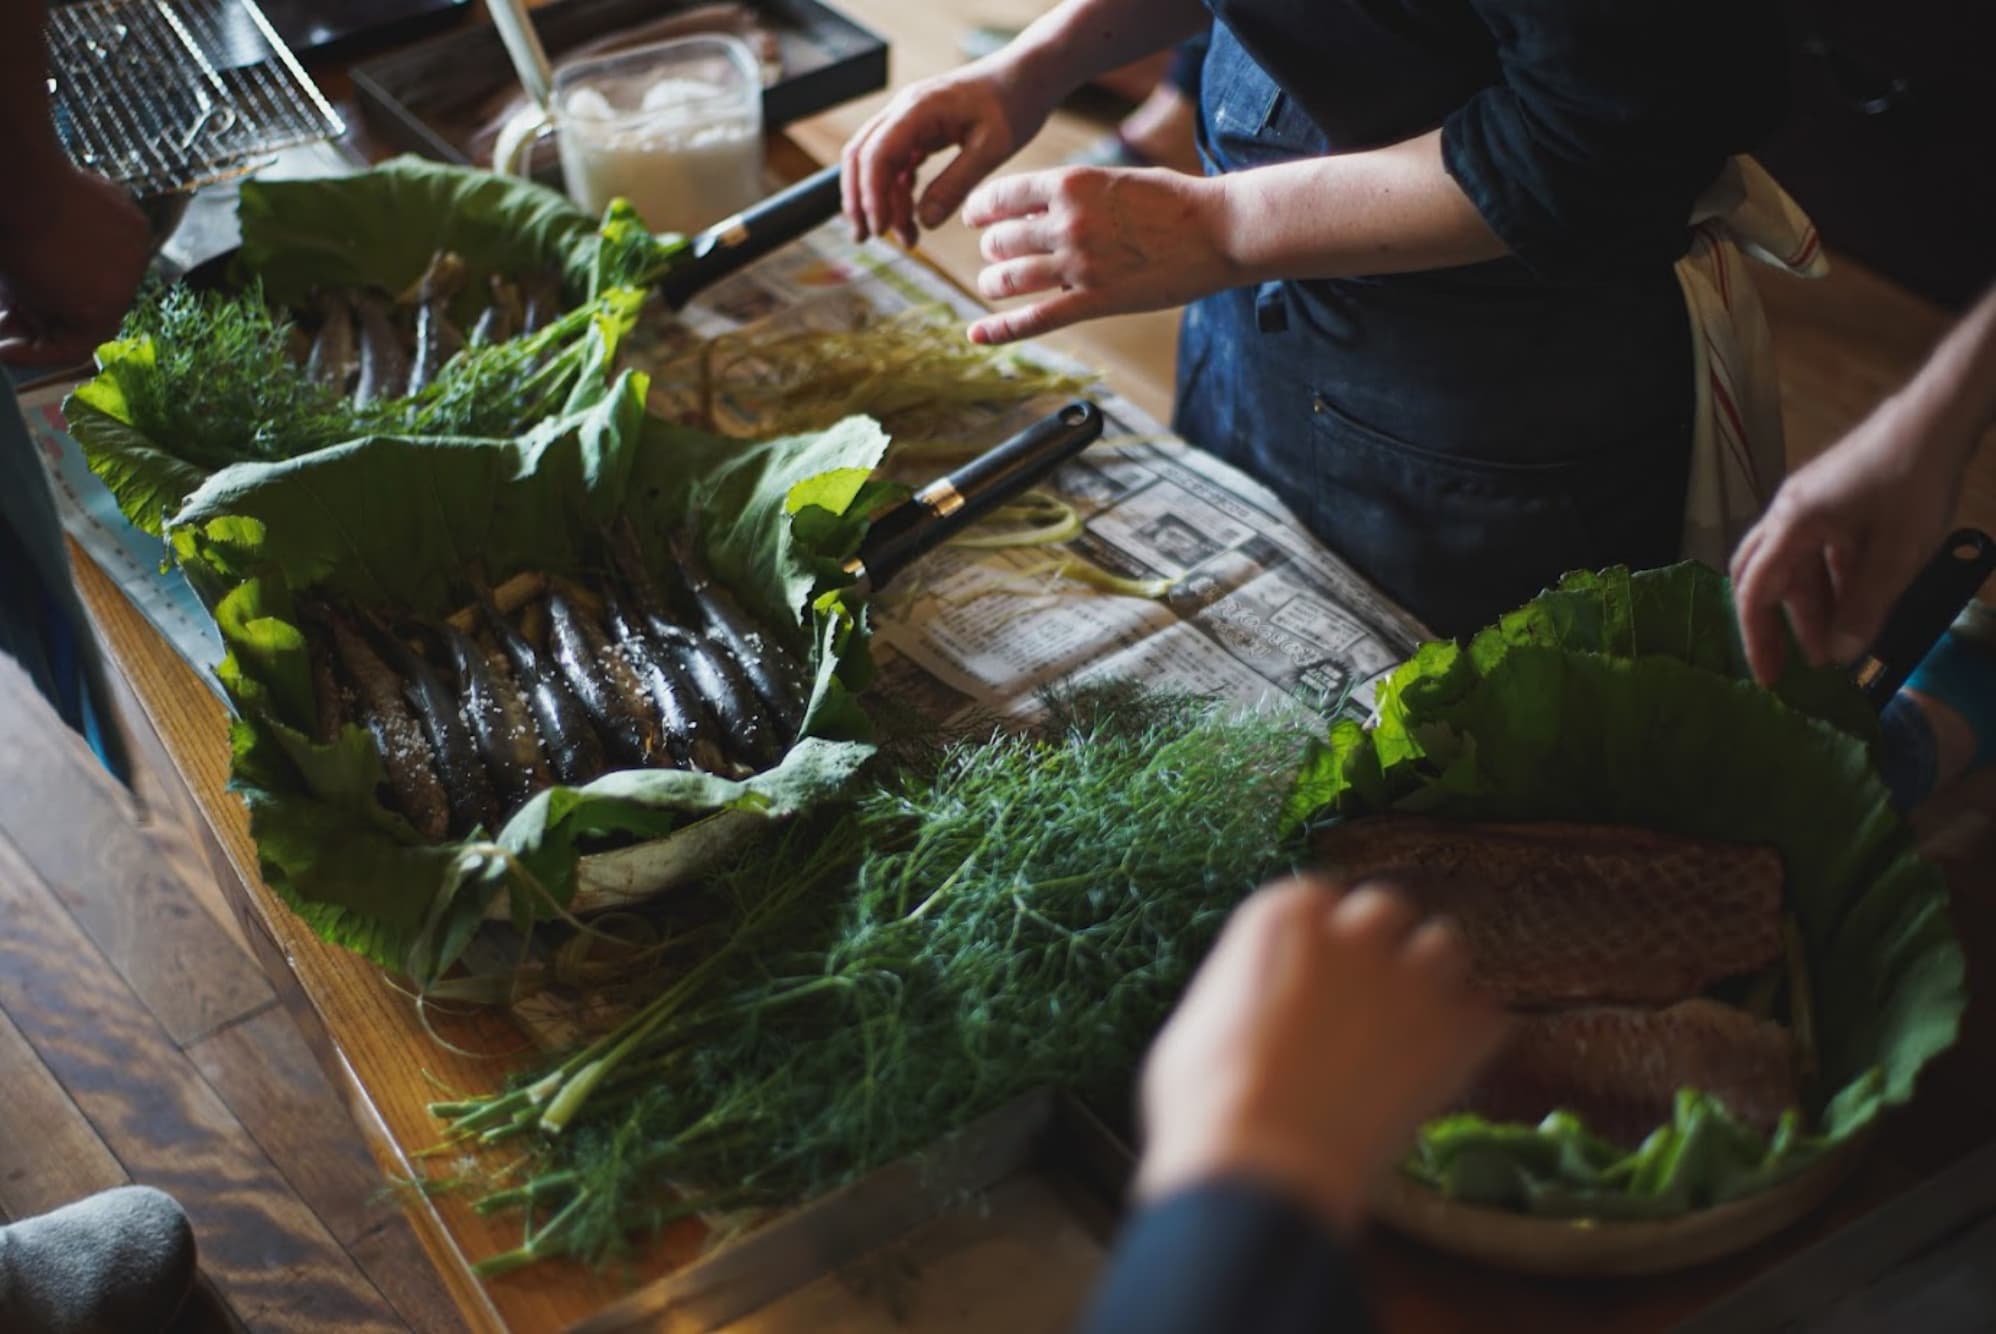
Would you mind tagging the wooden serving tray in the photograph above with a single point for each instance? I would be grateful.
(422, 98)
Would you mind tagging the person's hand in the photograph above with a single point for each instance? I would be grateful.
(1102, 241)
(68, 269)
(987, 110)
(1322, 1030)
(1845, 536)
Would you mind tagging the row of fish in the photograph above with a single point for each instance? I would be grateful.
(1604, 940)
(547, 680)
(371, 346)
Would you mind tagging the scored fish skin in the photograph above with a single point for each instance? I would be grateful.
(398, 736)
(778, 679)
(1560, 914)
(1619, 1068)
(336, 349)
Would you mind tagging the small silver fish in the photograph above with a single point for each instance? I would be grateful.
(467, 789)
(573, 750)
(780, 681)
(384, 365)
(437, 339)
(688, 724)
(603, 680)
(333, 355)
(746, 731)
(405, 750)
(500, 320)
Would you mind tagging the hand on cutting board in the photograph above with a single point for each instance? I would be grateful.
(987, 110)
(1321, 1031)
(1094, 241)
(68, 268)
(1845, 537)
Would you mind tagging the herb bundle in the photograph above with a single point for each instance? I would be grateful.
(999, 917)
(215, 378)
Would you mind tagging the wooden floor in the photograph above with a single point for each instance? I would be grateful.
(139, 1042)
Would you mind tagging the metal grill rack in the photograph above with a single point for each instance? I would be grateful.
(166, 95)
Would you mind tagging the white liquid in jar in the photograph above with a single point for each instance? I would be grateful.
(685, 156)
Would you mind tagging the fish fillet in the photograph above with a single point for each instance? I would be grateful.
(1620, 1068)
(1562, 914)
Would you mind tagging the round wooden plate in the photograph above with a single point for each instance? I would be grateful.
(1591, 1248)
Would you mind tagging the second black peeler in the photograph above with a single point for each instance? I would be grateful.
(948, 505)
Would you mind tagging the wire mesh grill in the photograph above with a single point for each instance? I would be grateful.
(166, 95)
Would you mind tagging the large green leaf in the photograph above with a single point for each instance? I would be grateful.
(147, 482)
(399, 521)
(381, 227)
(158, 416)
(1623, 699)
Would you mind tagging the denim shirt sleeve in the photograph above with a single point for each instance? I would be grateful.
(1608, 120)
(1227, 1255)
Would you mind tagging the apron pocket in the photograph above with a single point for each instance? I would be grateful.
(1457, 541)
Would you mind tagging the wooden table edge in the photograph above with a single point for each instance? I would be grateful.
(252, 902)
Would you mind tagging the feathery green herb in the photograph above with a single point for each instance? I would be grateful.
(212, 373)
(1004, 916)
(211, 378)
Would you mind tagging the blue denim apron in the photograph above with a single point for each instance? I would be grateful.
(1462, 437)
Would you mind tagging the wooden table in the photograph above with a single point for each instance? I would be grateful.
(368, 1035)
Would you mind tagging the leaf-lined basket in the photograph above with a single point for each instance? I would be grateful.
(397, 522)
(1625, 699)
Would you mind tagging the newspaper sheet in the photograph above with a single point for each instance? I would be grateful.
(134, 561)
(1249, 606)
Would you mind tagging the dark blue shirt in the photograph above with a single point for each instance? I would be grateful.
(1227, 1256)
(1583, 130)
(1465, 436)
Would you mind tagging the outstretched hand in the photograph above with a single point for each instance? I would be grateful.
(1094, 241)
(1323, 1029)
(1844, 538)
(987, 111)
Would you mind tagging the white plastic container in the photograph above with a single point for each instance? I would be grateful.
(675, 127)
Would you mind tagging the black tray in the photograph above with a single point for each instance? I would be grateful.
(317, 31)
(409, 97)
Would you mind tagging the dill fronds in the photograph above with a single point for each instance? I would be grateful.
(1018, 913)
(211, 378)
